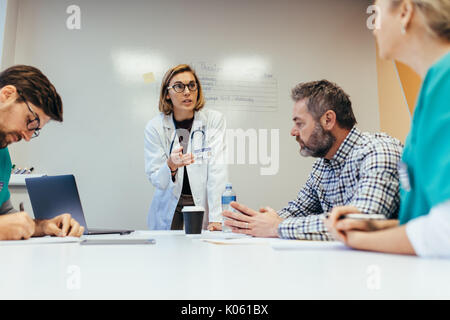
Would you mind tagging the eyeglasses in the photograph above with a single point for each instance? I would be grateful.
(32, 124)
(179, 87)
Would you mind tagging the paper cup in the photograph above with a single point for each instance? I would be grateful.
(193, 219)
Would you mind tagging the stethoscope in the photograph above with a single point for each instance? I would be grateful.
(199, 153)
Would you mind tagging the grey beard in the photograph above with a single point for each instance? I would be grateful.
(319, 143)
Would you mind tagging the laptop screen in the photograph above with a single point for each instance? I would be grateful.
(51, 196)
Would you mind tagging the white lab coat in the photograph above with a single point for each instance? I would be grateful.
(207, 178)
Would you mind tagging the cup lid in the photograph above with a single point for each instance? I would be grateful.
(192, 209)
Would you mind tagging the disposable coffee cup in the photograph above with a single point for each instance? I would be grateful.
(193, 219)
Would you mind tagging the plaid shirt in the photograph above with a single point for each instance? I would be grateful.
(363, 173)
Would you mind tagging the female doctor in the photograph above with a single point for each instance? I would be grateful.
(184, 153)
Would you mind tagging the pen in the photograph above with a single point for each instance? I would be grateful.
(361, 216)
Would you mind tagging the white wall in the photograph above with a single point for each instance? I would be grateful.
(2, 25)
(8, 23)
(98, 72)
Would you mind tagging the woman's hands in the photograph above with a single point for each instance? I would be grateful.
(177, 159)
(345, 229)
(372, 235)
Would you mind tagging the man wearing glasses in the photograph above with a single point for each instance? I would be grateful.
(28, 101)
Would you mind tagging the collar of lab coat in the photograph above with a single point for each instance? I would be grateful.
(199, 121)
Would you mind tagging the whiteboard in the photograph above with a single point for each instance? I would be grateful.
(99, 70)
(2, 24)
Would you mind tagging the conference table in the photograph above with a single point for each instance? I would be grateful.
(210, 266)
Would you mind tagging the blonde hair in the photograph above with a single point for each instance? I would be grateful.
(165, 105)
(436, 14)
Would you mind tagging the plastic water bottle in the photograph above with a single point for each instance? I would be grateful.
(227, 197)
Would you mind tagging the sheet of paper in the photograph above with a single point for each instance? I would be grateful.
(274, 243)
(232, 238)
(221, 235)
(307, 245)
(40, 240)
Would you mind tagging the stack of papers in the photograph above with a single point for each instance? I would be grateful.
(275, 243)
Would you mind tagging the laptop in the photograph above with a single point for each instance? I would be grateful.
(51, 196)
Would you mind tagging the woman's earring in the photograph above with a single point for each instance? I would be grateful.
(403, 30)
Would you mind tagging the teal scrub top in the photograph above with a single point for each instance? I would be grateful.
(5, 174)
(427, 148)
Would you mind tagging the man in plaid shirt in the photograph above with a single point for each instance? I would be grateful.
(354, 168)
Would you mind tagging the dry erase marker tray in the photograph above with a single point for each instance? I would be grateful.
(19, 179)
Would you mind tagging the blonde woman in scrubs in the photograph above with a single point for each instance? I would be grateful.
(417, 33)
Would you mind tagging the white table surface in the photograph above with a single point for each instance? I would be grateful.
(181, 267)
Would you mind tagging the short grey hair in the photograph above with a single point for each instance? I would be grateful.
(324, 95)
